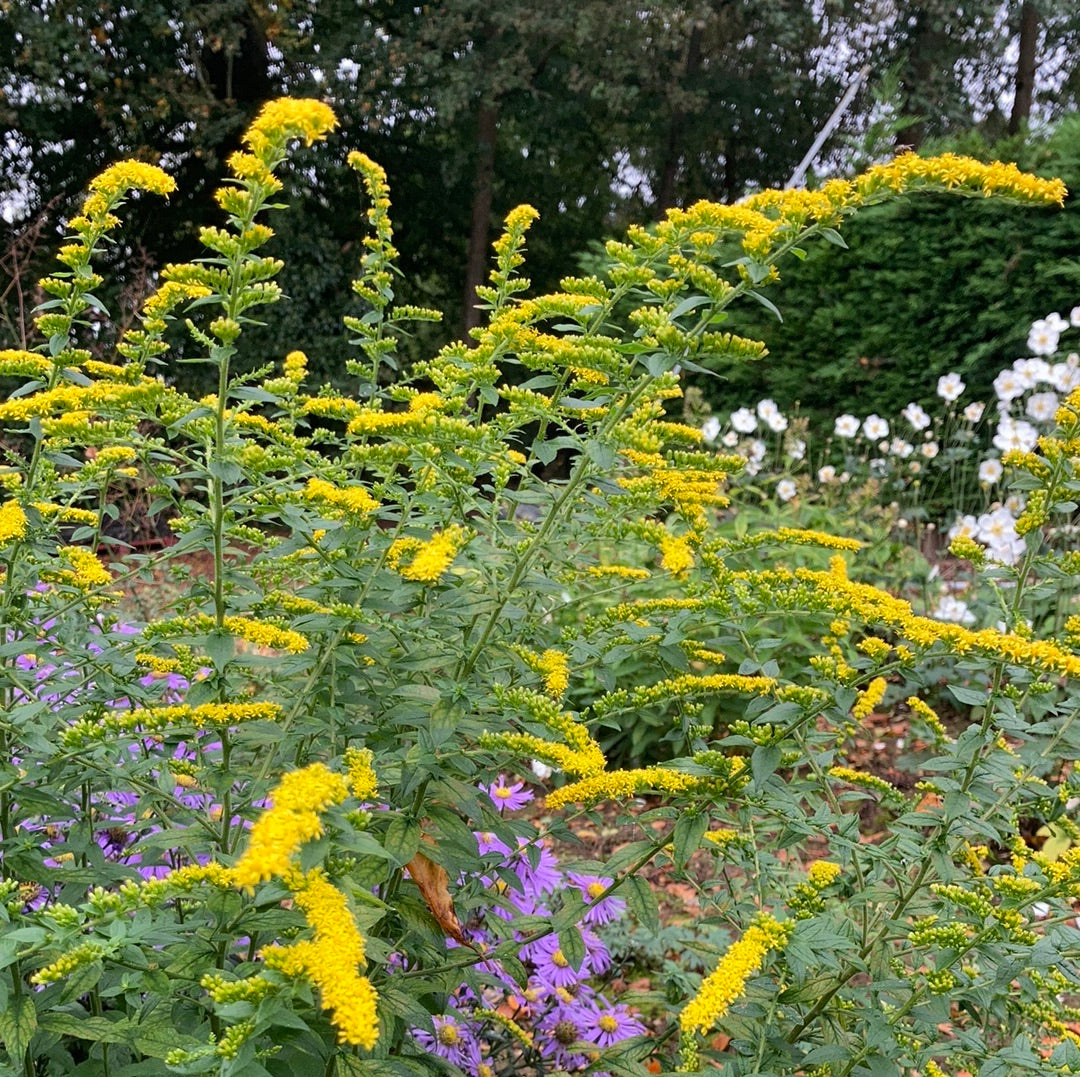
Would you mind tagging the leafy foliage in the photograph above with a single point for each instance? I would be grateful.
(258, 830)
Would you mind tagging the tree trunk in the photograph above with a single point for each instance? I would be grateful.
(917, 78)
(673, 155)
(1025, 67)
(487, 124)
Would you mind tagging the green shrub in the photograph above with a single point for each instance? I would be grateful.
(923, 289)
(242, 837)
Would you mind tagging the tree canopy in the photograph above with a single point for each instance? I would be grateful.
(594, 113)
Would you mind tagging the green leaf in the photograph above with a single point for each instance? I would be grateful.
(572, 946)
(98, 1029)
(18, 1023)
(402, 839)
(687, 836)
(763, 763)
(641, 902)
(971, 696)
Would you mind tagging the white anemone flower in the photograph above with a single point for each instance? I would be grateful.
(1043, 338)
(786, 489)
(766, 408)
(974, 411)
(776, 422)
(900, 447)
(1042, 407)
(826, 474)
(990, 471)
(1074, 317)
(951, 608)
(1008, 385)
(1033, 370)
(797, 449)
(847, 426)
(1066, 376)
(710, 428)
(964, 527)
(1056, 322)
(1015, 434)
(744, 421)
(916, 416)
(730, 439)
(949, 387)
(929, 449)
(875, 427)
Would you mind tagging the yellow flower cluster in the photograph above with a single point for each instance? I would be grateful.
(727, 982)
(330, 960)
(431, 558)
(89, 572)
(928, 715)
(571, 758)
(622, 784)
(292, 819)
(286, 118)
(354, 500)
(909, 172)
(66, 514)
(154, 719)
(623, 572)
(12, 521)
(82, 398)
(131, 175)
(261, 633)
(225, 992)
(865, 781)
(685, 685)
(68, 963)
(677, 555)
(16, 363)
(823, 873)
(552, 665)
(362, 779)
(869, 698)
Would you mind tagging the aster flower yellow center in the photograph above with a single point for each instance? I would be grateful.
(558, 959)
(503, 793)
(608, 1023)
(449, 1036)
(594, 890)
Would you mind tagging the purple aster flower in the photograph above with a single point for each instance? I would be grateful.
(536, 866)
(508, 797)
(487, 842)
(558, 1029)
(453, 1040)
(606, 1024)
(591, 887)
(553, 968)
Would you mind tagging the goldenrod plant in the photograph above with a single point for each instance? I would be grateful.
(269, 830)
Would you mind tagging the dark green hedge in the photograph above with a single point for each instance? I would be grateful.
(928, 285)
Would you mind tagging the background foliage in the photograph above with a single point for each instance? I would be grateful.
(473, 107)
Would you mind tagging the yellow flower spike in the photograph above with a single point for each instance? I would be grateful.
(726, 983)
(362, 779)
(293, 819)
(125, 176)
(869, 698)
(287, 118)
(431, 558)
(12, 522)
(89, 572)
(330, 960)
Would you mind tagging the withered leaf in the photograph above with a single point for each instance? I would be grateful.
(434, 886)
